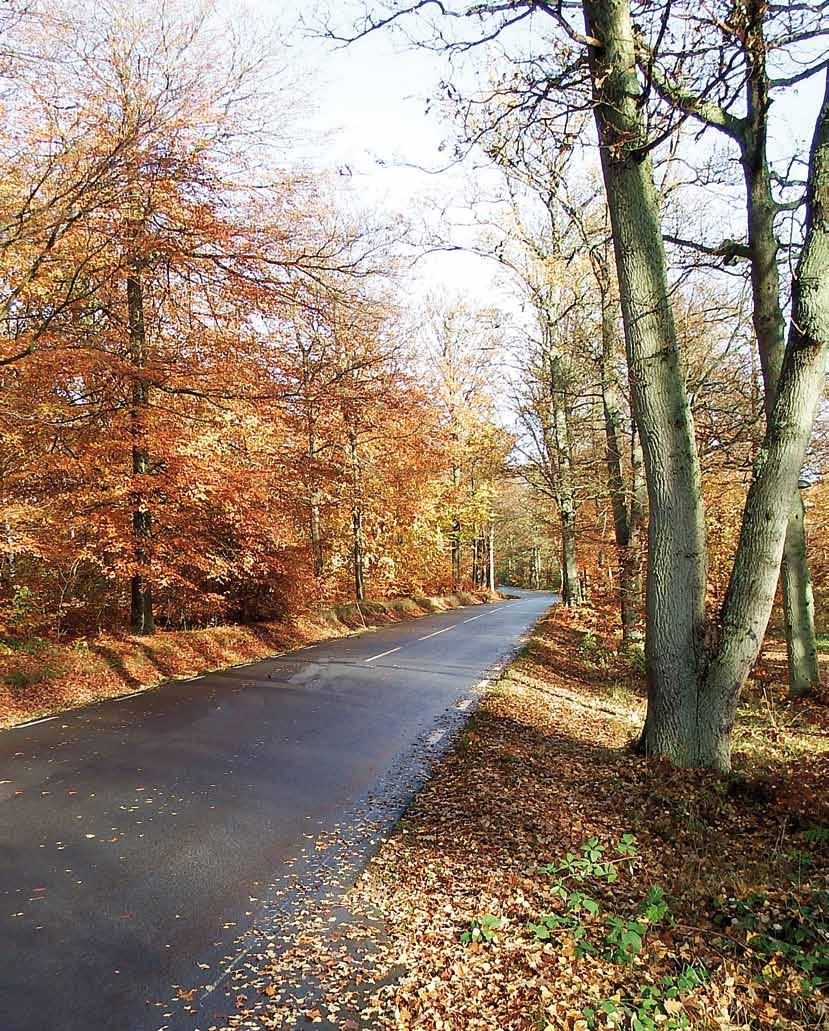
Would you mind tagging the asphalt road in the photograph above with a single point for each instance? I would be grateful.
(136, 835)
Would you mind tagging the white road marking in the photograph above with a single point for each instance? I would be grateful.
(473, 618)
(212, 987)
(445, 630)
(464, 704)
(123, 697)
(435, 736)
(382, 654)
(33, 723)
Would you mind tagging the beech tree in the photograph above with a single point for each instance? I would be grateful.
(727, 53)
(462, 347)
(154, 399)
(695, 676)
(696, 661)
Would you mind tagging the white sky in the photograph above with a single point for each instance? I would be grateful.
(368, 109)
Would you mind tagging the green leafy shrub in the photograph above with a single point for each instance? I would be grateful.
(482, 929)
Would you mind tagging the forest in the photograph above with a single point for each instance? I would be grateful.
(241, 412)
(221, 406)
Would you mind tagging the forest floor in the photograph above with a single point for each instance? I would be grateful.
(546, 877)
(41, 676)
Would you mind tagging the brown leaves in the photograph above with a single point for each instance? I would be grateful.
(543, 767)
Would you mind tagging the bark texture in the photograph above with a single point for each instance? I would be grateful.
(627, 508)
(695, 673)
(141, 597)
(358, 558)
(769, 328)
(675, 599)
(751, 589)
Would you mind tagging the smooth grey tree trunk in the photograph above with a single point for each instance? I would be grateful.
(769, 327)
(358, 558)
(314, 522)
(627, 513)
(456, 528)
(564, 478)
(750, 134)
(675, 599)
(752, 585)
(490, 555)
(692, 698)
(799, 606)
(141, 597)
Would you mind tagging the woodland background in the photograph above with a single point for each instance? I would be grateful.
(219, 403)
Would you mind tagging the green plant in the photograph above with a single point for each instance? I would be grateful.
(627, 846)
(546, 926)
(653, 908)
(576, 901)
(482, 929)
(649, 1007)
(784, 931)
(23, 603)
(590, 863)
(17, 679)
(636, 657)
(625, 938)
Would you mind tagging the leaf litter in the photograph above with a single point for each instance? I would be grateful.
(547, 877)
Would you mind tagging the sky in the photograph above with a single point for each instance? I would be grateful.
(367, 118)
(368, 114)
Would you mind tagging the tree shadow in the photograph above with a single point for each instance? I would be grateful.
(116, 664)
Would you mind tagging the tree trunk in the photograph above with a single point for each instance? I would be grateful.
(456, 530)
(751, 589)
(564, 485)
(316, 535)
(769, 328)
(638, 500)
(799, 607)
(357, 523)
(141, 598)
(675, 601)
(570, 584)
(490, 556)
(625, 522)
(357, 531)
(314, 527)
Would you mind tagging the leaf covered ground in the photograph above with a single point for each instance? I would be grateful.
(546, 877)
(40, 676)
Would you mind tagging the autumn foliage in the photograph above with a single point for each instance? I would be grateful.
(211, 409)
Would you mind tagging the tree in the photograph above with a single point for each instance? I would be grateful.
(696, 664)
(687, 79)
(461, 344)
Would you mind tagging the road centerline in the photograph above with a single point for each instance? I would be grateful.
(381, 655)
(446, 629)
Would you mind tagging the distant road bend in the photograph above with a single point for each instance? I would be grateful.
(135, 834)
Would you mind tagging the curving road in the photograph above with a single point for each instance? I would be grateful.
(137, 835)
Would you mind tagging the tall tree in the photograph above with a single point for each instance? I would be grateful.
(688, 78)
(696, 664)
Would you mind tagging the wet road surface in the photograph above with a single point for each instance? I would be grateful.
(139, 836)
